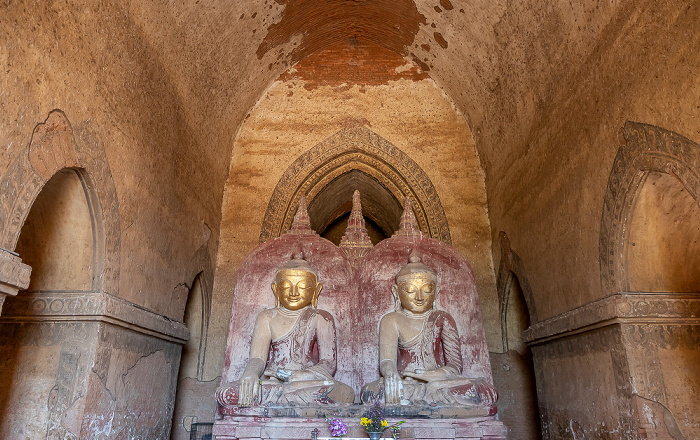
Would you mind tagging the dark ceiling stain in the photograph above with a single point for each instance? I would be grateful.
(446, 5)
(392, 24)
(440, 40)
(353, 62)
(420, 63)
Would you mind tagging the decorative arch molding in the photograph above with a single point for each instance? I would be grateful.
(348, 150)
(509, 267)
(53, 147)
(643, 149)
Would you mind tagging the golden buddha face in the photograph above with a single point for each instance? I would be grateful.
(296, 289)
(416, 291)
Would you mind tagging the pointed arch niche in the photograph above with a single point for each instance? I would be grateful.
(355, 158)
(62, 236)
(59, 158)
(650, 233)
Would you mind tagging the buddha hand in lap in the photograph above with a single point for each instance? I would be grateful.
(419, 349)
(293, 350)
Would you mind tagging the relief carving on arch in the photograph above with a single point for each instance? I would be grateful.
(355, 149)
(509, 267)
(56, 145)
(644, 148)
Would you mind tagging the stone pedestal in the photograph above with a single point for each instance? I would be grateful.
(298, 422)
(86, 365)
(638, 350)
(289, 428)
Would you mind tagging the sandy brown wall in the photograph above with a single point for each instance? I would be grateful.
(547, 190)
(92, 62)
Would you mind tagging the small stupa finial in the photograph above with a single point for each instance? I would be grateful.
(356, 242)
(408, 225)
(301, 225)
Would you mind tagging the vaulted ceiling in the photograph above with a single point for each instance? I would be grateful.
(506, 65)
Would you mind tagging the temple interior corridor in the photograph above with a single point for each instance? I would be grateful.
(147, 147)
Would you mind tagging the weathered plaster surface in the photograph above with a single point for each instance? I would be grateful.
(94, 64)
(76, 363)
(621, 352)
(547, 191)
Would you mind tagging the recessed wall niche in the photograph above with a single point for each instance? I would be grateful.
(665, 216)
(58, 238)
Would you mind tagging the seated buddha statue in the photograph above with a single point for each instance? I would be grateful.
(420, 357)
(293, 349)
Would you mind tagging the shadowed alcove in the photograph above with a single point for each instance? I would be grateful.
(330, 209)
(58, 239)
(665, 214)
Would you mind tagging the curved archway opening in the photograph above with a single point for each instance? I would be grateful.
(187, 413)
(330, 208)
(517, 319)
(514, 370)
(359, 155)
(663, 245)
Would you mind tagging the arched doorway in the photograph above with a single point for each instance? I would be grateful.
(355, 159)
(649, 254)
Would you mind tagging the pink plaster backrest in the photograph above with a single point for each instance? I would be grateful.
(458, 296)
(253, 294)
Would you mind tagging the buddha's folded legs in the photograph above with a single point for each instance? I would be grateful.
(457, 391)
(303, 392)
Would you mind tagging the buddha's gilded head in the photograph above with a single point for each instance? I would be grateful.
(416, 286)
(296, 284)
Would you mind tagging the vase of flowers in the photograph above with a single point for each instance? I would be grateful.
(336, 426)
(375, 423)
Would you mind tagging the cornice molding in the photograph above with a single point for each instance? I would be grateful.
(92, 307)
(620, 308)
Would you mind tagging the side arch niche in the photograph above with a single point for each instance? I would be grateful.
(651, 214)
(355, 158)
(59, 212)
(62, 237)
(60, 241)
(55, 145)
(513, 368)
(662, 252)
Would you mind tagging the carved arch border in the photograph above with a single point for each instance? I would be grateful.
(644, 148)
(53, 147)
(349, 149)
(509, 267)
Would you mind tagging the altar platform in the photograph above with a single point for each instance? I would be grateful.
(301, 428)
